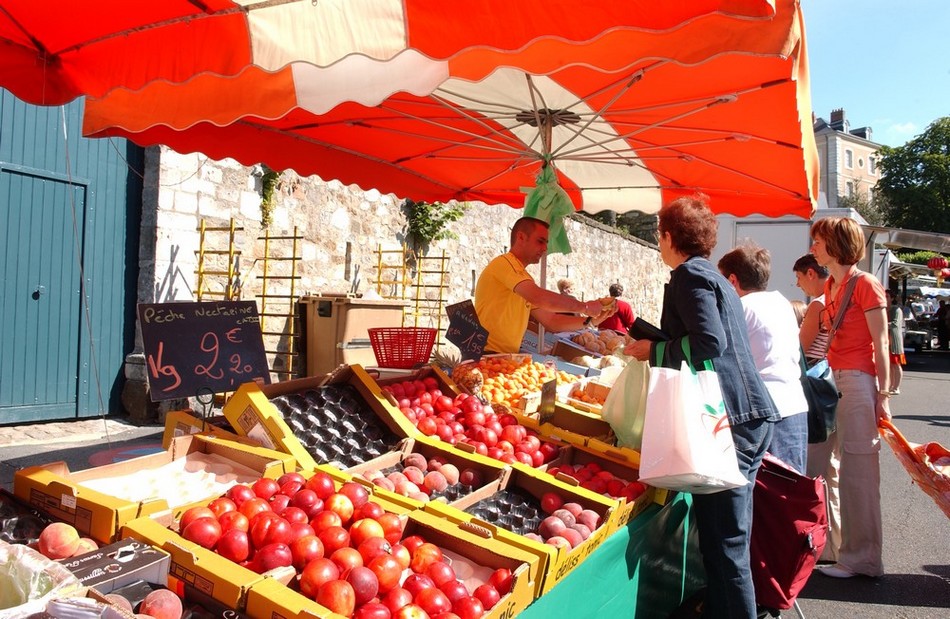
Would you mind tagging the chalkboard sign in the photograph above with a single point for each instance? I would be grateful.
(465, 331)
(190, 346)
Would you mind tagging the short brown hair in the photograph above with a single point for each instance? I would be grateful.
(751, 264)
(844, 240)
(809, 262)
(691, 224)
(526, 225)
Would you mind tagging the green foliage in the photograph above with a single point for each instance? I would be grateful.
(915, 180)
(269, 183)
(917, 257)
(871, 209)
(429, 221)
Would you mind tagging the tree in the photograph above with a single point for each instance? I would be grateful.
(872, 209)
(915, 180)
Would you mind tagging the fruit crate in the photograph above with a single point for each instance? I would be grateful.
(427, 373)
(592, 390)
(270, 598)
(91, 500)
(512, 509)
(20, 523)
(484, 468)
(196, 568)
(342, 418)
(626, 509)
(183, 422)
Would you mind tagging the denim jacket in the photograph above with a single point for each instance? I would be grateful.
(699, 303)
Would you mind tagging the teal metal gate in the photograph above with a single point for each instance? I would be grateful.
(69, 214)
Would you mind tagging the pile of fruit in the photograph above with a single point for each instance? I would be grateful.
(603, 342)
(465, 420)
(581, 394)
(596, 479)
(349, 554)
(423, 479)
(506, 379)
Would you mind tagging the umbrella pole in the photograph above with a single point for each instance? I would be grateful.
(543, 279)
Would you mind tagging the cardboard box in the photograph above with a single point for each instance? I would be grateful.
(269, 598)
(184, 422)
(556, 563)
(251, 412)
(206, 572)
(625, 511)
(628, 457)
(119, 564)
(489, 468)
(61, 494)
(594, 390)
(568, 424)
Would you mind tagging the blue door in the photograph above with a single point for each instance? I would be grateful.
(39, 337)
(69, 218)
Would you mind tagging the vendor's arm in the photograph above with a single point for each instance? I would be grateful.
(877, 325)
(543, 299)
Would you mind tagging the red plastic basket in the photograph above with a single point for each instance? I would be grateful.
(402, 347)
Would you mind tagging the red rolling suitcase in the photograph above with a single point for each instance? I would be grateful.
(789, 529)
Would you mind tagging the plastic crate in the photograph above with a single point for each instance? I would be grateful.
(402, 347)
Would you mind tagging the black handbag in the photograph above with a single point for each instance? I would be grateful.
(818, 383)
(822, 394)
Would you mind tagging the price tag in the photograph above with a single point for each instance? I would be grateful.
(465, 331)
(216, 346)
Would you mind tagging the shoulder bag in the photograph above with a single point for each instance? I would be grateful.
(818, 382)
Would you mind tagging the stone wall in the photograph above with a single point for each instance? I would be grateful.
(342, 229)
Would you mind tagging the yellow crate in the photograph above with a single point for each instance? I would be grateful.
(55, 490)
(183, 422)
(556, 563)
(252, 414)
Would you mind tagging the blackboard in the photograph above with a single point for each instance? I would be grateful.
(465, 331)
(211, 345)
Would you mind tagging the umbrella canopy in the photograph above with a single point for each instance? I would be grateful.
(629, 119)
(53, 51)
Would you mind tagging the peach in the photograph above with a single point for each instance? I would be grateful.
(419, 496)
(85, 545)
(161, 604)
(416, 460)
(414, 474)
(590, 518)
(59, 540)
(573, 536)
(385, 484)
(564, 515)
(435, 481)
(551, 526)
(559, 542)
(436, 462)
(583, 529)
(574, 508)
(470, 477)
(119, 601)
(451, 473)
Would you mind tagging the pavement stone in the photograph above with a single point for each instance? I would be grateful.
(78, 431)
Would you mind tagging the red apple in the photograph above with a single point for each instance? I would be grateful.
(487, 595)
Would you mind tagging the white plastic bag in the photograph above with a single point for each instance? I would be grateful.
(625, 406)
(687, 442)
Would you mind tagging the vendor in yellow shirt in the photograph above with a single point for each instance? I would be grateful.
(506, 295)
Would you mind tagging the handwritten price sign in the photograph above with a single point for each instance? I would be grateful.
(465, 331)
(188, 346)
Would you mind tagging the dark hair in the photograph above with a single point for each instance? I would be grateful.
(844, 240)
(615, 290)
(692, 226)
(808, 261)
(526, 225)
(751, 264)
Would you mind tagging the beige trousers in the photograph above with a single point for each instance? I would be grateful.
(850, 463)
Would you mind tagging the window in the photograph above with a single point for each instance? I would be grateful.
(848, 159)
(872, 165)
(849, 189)
(860, 163)
(870, 194)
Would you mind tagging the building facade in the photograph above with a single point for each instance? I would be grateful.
(848, 159)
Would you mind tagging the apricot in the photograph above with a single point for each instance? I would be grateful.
(161, 604)
(59, 540)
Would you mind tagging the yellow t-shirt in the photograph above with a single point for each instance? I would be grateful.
(500, 310)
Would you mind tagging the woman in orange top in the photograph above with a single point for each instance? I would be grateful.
(858, 354)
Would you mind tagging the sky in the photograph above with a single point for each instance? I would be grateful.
(886, 62)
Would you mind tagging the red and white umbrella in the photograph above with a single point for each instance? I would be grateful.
(629, 118)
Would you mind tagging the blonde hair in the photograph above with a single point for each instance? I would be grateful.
(564, 284)
(799, 308)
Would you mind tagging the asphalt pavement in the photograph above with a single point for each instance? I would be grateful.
(916, 532)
